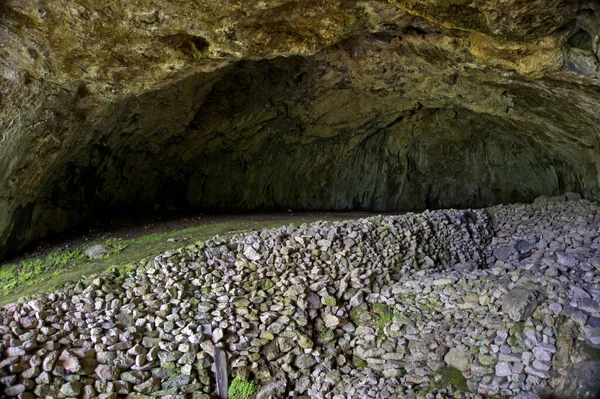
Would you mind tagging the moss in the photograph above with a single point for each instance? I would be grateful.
(39, 275)
(304, 341)
(116, 244)
(449, 376)
(359, 363)
(517, 328)
(587, 351)
(327, 336)
(329, 301)
(240, 389)
(360, 21)
(380, 308)
(13, 277)
(386, 314)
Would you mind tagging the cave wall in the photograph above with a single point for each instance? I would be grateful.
(321, 105)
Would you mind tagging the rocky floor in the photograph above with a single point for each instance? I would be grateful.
(497, 302)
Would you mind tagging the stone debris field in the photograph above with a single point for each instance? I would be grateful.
(497, 302)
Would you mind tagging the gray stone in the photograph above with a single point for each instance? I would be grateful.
(520, 302)
(148, 386)
(273, 390)
(503, 253)
(331, 321)
(566, 260)
(251, 254)
(589, 305)
(97, 251)
(14, 351)
(71, 389)
(106, 372)
(537, 373)
(457, 358)
(69, 361)
(503, 369)
(542, 354)
(592, 334)
(305, 361)
(14, 390)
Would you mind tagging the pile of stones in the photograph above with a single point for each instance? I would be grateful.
(463, 304)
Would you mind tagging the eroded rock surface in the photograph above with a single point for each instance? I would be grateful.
(413, 307)
(281, 104)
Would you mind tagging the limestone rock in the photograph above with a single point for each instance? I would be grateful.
(97, 251)
(457, 358)
(520, 302)
(71, 389)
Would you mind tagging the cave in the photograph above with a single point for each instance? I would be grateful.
(390, 107)
(257, 106)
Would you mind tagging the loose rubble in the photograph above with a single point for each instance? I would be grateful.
(461, 304)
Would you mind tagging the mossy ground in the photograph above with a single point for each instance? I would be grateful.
(42, 274)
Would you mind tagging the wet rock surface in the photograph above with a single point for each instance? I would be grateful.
(392, 307)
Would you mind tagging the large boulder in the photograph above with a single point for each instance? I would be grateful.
(520, 302)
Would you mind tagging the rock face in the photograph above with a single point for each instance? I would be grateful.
(282, 104)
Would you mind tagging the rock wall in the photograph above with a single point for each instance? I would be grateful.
(241, 105)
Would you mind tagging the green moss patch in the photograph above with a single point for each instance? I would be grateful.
(240, 389)
(449, 376)
(38, 275)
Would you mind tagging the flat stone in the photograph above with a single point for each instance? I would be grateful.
(589, 305)
(148, 386)
(457, 358)
(537, 373)
(503, 253)
(502, 357)
(14, 351)
(576, 314)
(579, 293)
(592, 335)
(542, 354)
(525, 245)
(593, 322)
(538, 365)
(566, 260)
(331, 321)
(503, 369)
(305, 361)
(14, 390)
(71, 389)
